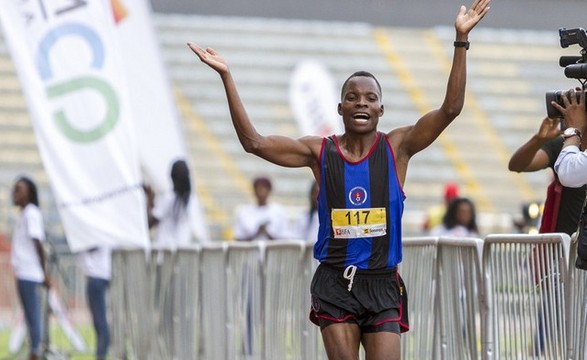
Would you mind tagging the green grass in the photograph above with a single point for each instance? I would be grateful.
(59, 343)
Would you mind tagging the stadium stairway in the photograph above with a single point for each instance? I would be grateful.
(18, 148)
(508, 74)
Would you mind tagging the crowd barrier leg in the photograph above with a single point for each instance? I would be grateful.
(525, 280)
(214, 318)
(186, 306)
(418, 269)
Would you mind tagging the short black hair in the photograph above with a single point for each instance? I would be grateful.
(357, 74)
(262, 181)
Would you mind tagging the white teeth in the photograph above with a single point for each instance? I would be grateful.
(361, 116)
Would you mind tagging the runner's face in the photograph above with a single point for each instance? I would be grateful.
(360, 106)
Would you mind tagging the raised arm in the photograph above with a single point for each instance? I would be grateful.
(279, 150)
(429, 126)
(529, 157)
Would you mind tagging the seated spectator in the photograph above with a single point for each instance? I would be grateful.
(262, 220)
(459, 220)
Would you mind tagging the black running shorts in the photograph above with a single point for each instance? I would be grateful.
(377, 300)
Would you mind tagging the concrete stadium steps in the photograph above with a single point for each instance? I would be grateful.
(6, 68)
(263, 81)
(13, 100)
(19, 154)
(424, 60)
(508, 74)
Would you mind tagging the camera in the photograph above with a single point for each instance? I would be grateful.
(557, 96)
(575, 67)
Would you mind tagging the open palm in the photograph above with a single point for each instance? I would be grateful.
(210, 57)
(467, 19)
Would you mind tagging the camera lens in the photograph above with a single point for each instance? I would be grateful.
(551, 111)
(576, 71)
(557, 96)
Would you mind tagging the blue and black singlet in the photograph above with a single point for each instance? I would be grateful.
(360, 205)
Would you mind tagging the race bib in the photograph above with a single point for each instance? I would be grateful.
(358, 223)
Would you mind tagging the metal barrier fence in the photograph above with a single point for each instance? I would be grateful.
(576, 315)
(70, 330)
(504, 297)
(419, 267)
(525, 280)
(443, 277)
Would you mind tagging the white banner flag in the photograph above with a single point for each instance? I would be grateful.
(313, 99)
(68, 60)
(160, 139)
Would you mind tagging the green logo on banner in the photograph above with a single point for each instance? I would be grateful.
(86, 83)
(67, 125)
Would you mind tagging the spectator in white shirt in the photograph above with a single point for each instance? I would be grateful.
(28, 258)
(179, 221)
(96, 264)
(262, 220)
(173, 212)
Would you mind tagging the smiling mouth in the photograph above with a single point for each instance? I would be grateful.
(361, 117)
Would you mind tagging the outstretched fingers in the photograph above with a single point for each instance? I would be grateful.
(480, 8)
(210, 57)
(197, 50)
(467, 19)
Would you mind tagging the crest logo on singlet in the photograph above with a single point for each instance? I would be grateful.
(358, 195)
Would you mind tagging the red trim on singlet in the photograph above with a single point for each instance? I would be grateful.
(373, 147)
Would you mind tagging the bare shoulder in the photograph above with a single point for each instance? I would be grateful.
(398, 140)
(313, 142)
(397, 136)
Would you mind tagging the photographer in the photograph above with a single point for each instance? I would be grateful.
(563, 204)
(571, 165)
